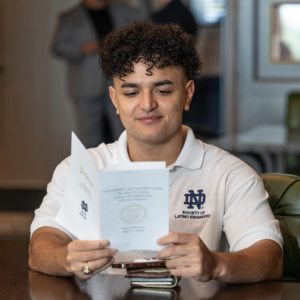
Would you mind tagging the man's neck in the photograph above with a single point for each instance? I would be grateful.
(167, 151)
(165, 3)
(100, 6)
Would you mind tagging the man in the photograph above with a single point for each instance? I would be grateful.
(78, 37)
(152, 66)
(173, 11)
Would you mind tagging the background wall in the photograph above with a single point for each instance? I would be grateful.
(256, 102)
(36, 113)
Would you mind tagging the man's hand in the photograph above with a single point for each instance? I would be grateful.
(260, 262)
(95, 253)
(90, 48)
(52, 252)
(195, 259)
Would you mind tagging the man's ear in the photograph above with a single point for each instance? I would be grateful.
(189, 93)
(113, 97)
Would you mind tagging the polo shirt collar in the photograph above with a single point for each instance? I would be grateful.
(192, 153)
(190, 157)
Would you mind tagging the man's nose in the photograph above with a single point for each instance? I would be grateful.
(147, 102)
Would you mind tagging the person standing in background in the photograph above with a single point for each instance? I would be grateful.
(173, 11)
(77, 40)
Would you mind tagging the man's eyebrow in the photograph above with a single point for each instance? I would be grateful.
(163, 82)
(129, 85)
(136, 85)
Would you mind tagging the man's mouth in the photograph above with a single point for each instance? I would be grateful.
(149, 119)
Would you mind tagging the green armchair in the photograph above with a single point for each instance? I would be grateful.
(284, 199)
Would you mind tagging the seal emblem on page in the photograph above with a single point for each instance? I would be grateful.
(133, 214)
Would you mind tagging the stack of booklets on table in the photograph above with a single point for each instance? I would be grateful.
(151, 276)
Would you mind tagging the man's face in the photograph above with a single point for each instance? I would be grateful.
(151, 107)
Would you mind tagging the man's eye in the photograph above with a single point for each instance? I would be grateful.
(163, 92)
(131, 94)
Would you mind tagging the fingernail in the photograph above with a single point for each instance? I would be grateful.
(105, 243)
(113, 251)
(158, 242)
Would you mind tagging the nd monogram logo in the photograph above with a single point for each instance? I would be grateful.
(84, 206)
(192, 199)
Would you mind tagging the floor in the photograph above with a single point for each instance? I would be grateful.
(15, 219)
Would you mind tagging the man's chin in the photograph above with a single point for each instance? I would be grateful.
(149, 137)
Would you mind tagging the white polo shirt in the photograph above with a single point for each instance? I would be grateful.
(213, 194)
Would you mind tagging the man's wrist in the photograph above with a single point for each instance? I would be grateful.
(220, 265)
(60, 254)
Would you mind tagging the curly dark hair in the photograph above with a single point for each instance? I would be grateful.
(155, 45)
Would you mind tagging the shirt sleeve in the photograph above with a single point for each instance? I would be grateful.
(46, 213)
(248, 217)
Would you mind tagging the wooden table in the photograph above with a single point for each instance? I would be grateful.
(34, 285)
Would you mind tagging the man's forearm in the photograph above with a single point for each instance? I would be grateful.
(253, 264)
(52, 251)
(48, 254)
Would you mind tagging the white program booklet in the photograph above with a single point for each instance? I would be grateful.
(126, 204)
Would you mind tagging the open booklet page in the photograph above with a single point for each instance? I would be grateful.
(127, 204)
(79, 212)
(134, 206)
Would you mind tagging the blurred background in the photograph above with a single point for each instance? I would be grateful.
(247, 100)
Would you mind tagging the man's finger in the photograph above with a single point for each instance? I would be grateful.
(99, 264)
(103, 267)
(184, 261)
(90, 255)
(176, 238)
(184, 272)
(93, 265)
(83, 276)
(79, 245)
(179, 250)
